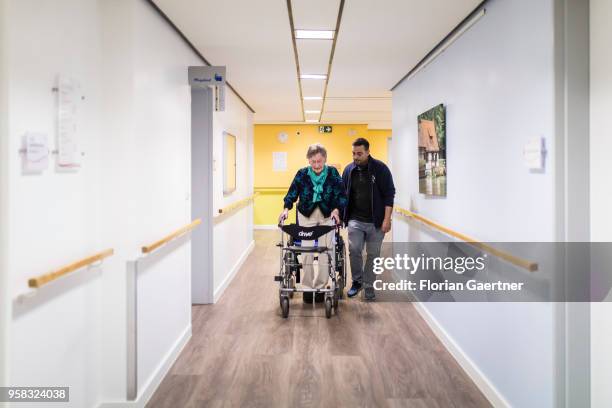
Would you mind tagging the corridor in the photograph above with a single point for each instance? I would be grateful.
(242, 353)
(150, 150)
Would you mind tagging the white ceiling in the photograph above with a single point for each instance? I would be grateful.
(377, 44)
(314, 14)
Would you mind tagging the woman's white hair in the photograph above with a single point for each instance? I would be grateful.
(316, 149)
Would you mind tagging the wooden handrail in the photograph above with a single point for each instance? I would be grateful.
(238, 204)
(150, 248)
(271, 190)
(525, 264)
(41, 280)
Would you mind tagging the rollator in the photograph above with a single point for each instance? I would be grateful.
(290, 264)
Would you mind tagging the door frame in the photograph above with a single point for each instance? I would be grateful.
(572, 185)
(202, 262)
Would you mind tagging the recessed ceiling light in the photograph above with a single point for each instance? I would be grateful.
(314, 34)
(312, 111)
(313, 98)
(313, 76)
(312, 120)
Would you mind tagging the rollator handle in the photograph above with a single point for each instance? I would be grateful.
(281, 221)
(338, 225)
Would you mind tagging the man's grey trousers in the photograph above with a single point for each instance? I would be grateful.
(360, 235)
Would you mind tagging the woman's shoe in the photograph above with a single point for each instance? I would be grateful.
(307, 297)
(319, 297)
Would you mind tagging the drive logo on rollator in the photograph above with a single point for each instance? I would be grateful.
(305, 234)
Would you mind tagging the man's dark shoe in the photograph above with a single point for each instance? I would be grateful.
(354, 290)
(319, 297)
(369, 293)
(307, 297)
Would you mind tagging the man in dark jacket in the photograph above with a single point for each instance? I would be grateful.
(370, 191)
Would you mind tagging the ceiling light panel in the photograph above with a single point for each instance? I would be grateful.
(315, 14)
(314, 34)
(313, 76)
(313, 55)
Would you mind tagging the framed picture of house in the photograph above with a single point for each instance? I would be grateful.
(432, 151)
(229, 163)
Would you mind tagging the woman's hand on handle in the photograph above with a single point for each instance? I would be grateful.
(335, 215)
(283, 215)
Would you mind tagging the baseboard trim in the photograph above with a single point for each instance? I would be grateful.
(482, 382)
(230, 277)
(160, 373)
(265, 227)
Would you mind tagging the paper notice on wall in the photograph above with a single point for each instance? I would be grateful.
(533, 154)
(279, 161)
(69, 97)
(35, 152)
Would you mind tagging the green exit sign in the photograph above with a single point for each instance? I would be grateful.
(325, 129)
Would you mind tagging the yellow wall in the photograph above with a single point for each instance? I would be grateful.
(273, 185)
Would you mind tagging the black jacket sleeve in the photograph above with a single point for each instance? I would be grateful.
(387, 188)
(345, 176)
(339, 194)
(293, 193)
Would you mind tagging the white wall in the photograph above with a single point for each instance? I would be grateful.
(497, 82)
(601, 191)
(118, 124)
(163, 122)
(601, 104)
(230, 247)
(5, 303)
(54, 335)
(132, 189)
(145, 192)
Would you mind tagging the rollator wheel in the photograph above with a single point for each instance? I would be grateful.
(328, 307)
(292, 286)
(341, 282)
(339, 287)
(285, 306)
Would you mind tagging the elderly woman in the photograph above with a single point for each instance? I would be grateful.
(321, 197)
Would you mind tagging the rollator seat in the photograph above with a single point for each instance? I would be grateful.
(306, 233)
(306, 249)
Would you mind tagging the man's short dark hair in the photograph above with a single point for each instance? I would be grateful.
(362, 142)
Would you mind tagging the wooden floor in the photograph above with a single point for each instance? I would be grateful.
(243, 353)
